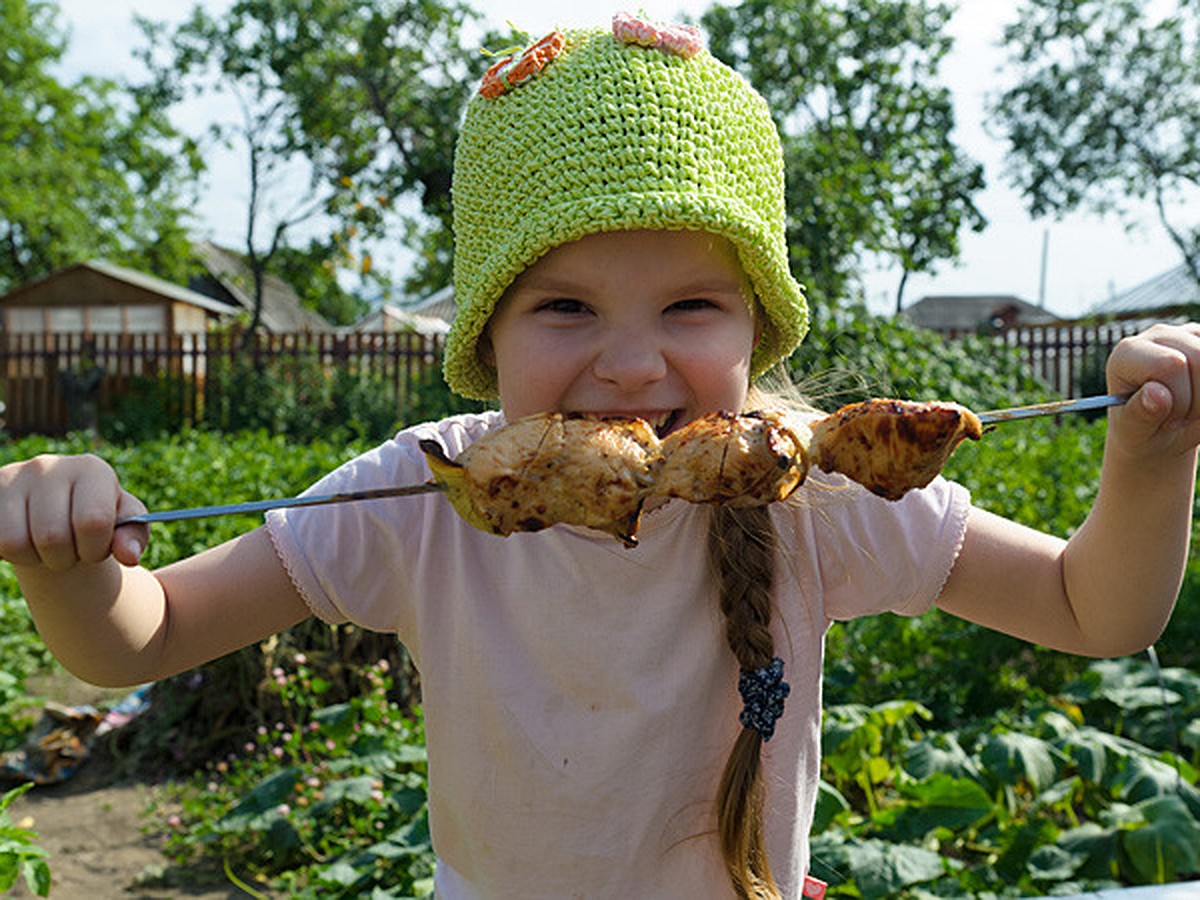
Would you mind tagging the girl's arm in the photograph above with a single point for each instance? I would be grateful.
(1110, 589)
(108, 620)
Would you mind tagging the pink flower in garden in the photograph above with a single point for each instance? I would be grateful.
(300, 659)
(174, 821)
(283, 809)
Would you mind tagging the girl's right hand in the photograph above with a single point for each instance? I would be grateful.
(59, 511)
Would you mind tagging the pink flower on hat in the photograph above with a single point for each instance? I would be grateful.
(681, 40)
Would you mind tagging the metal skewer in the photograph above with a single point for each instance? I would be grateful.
(253, 506)
(175, 515)
(991, 417)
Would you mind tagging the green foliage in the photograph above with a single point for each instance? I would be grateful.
(297, 397)
(294, 397)
(1105, 96)
(328, 802)
(1042, 801)
(850, 355)
(435, 401)
(87, 170)
(871, 166)
(20, 855)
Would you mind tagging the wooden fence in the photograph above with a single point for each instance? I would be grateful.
(1068, 358)
(48, 378)
(53, 382)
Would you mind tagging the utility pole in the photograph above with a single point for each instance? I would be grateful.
(1045, 263)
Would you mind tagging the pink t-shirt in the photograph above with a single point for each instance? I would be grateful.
(580, 700)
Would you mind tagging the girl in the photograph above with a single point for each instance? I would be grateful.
(601, 721)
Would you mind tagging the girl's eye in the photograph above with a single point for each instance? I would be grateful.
(563, 305)
(691, 305)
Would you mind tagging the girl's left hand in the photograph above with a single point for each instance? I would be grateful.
(1160, 368)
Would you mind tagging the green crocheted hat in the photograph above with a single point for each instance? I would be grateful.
(608, 130)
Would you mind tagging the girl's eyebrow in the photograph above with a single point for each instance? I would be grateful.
(715, 284)
(532, 280)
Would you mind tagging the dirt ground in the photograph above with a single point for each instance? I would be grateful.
(95, 830)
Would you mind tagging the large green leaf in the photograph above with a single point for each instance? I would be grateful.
(1054, 863)
(830, 804)
(1145, 777)
(939, 753)
(1167, 845)
(881, 869)
(1011, 756)
(1094, 846)
(1100, 756)
(942, 801)
(259, 807)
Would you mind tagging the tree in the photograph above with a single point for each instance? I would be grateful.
(871, 167)
(363, 96)
(379, 88)
(87, 170)
(1105, 110)
(208, 55)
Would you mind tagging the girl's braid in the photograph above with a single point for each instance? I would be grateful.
(741, 552)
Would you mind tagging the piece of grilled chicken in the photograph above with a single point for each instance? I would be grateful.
(891, 446)
(750, 459)
(553, 468)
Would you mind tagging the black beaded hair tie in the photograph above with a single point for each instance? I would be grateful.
(763, 692)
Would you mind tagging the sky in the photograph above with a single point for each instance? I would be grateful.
(1069, 264)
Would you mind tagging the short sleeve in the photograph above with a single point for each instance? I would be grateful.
(353, 562)
(875, 555)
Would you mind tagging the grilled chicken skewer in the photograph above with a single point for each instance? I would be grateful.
(550, 468)
(889, 446)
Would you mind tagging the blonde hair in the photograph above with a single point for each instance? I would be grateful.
(741, 552)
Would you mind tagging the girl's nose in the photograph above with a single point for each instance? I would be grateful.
(630, 359)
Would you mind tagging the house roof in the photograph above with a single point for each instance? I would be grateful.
(393, 318)
(282, 310)
(438, 305)
(965, 312)
(1172, 291)
(100, 283)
